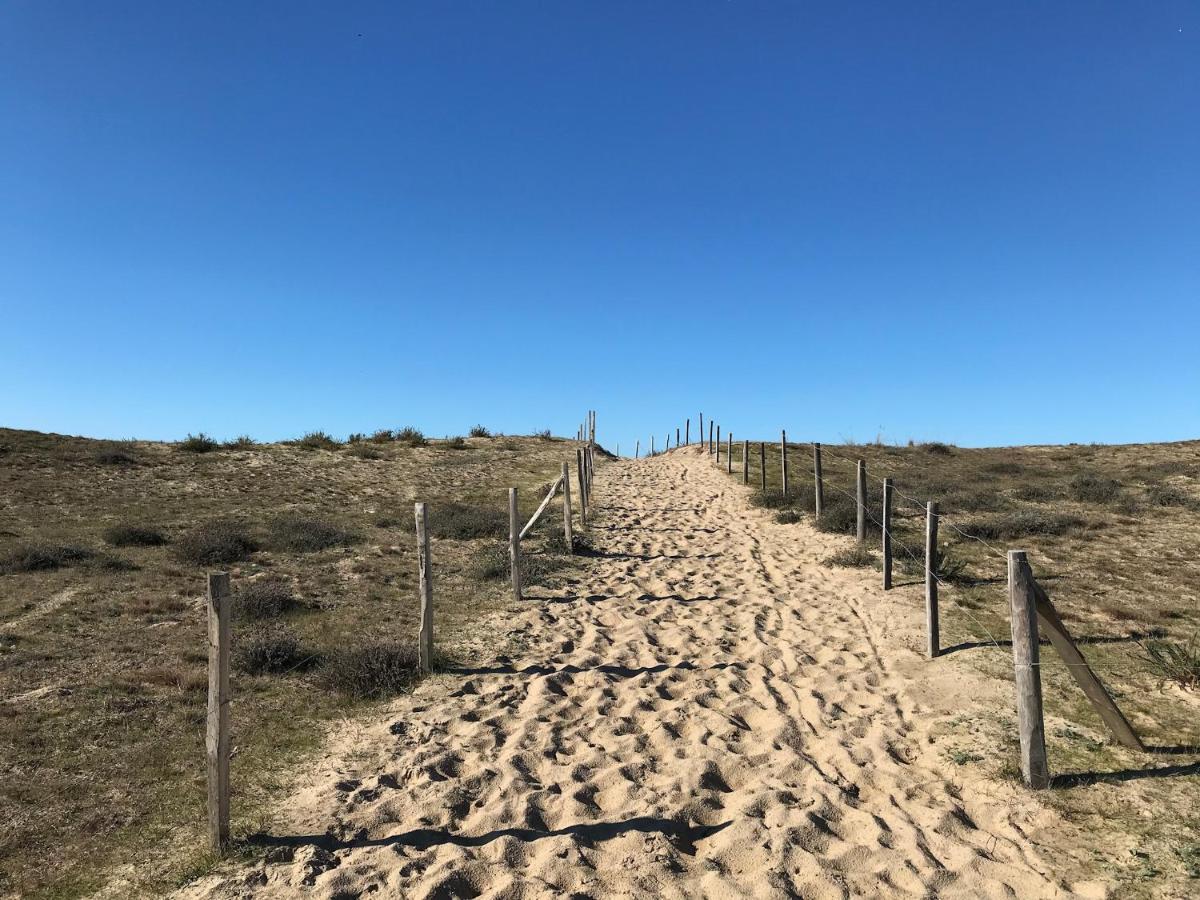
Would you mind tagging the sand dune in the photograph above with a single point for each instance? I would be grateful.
(707, 712)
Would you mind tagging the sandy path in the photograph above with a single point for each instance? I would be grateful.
(710, 713)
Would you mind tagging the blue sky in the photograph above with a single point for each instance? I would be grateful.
(968, 222)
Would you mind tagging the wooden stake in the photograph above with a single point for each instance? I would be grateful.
(514, 542)
(729, 454)
(583, 503)
(217, 737)
(566, 484)
(1026, 663)
(887, 534)
(862, 501)
(710, 437)
(637, 449)
(718, 445)
(932, 631)
(820, 488)
(687, 432)
(677, 438)
(783, 460)
(651, 445)
(762, 464)
(700, 433)
(425, 586)
(745, 462)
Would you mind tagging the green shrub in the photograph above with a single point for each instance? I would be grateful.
(787, 517)
(411, 436)
(491, 562)
(851, 557)
(462, 521)
(1003, 468)
(197, 443)
(1175, 661)
(42, 558)
(1039, 493)
(301, 534)
(479, 431)
(936, 447)
(371, 670)
(771, 499)
(1022, 523)
(241, 442)
(355, 437)
(458, 442)
(839, 515)
(317, 440)
(363, 451)
(1167, 495)
(217, 542)
(1088, 487)
(267, 649)
(383, 436)
(266, 598)
(134, 536)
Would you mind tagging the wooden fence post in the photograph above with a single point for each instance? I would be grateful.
(637, 449)
(677, 437)
(687, 432)
(887, 534)
(729, 455)
(718, 445)
(762, 464)
(819, 499)
(217, 737)
(932, 631)
(745, 462)
(783, 460)
(651, 445)
(700, 433)
(514, 542)
(583, 502)
(425, 586)
(862, 501)
(710, 437)
(1023, 600)
(566, 483)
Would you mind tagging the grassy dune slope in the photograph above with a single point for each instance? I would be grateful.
(102, 647)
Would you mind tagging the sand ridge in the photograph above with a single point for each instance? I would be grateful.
(706, 712)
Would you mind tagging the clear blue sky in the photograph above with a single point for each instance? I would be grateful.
(959, 221)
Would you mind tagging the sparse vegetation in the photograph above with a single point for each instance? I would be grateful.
(936, 447)
(198, 443)
(265, 598)
(363, 451)
(1175, 660)
(373, 670)
(463, 521)
(1088, 487)
(267, 649)
(383, 436)
(299, 533)
(788, 517)
(458, 442)
(851, 557)
(241, 442)
(318, 440)
(42, 558)
(134, 536)
(478, 431)
(411, 436)
(116, 456)
(218, 542)
(1023, 523)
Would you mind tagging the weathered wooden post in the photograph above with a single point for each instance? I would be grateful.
(700, 433)
(819, 499)
(887, 534)
(425, 586)
(729, 455)
(1026, 664)
(783, 460)
(651, 445)
(862, 501)
(687, 432)
(745, 462)
(718, 445)
(637, 449)
(710, 437)
(217, 737)
(677, 444)
(514, 542)
(566, 483)
(762, 464)
(931, 591)
(583, 500)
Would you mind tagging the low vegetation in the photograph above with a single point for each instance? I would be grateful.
(305, 534)
(318, 440)
(214, 543)
(134, 536)
(198, 443)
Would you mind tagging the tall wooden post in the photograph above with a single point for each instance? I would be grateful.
(217, 736)
(745, 462)
(566, 483)
(887, 534)
(651, 445)
(783, 473)
(819, 499)
(729, 455)
(1026, 663)
(687, 432)
(862, 501)
(700, 433)
(677, 444)
(762, 464)
(637, 449)
(710, 437)
(583, 504)
(514, 542)
(425, 586)
(718, 445)
(931, 591)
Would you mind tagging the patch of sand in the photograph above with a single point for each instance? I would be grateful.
(709, 712)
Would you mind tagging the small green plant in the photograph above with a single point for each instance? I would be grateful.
(1174, 660)
(134, 536)
(1088, 487)
(411, 436)
(42, 558)
(266, 598)
(1039, 493)
(458, 442)
(788, 517)
(241, 442)
(479, 431)
(383, 436)
(851, 557)
(270, 649)
(771, 499)
(215, 543)
(317, 440)
(363, 451)
(371, 670)
(197, 443)
(302, 534)
(462, 521)
(936, 447)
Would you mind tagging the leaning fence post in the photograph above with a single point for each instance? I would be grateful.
(566, 483)
(783, 460)
(425, 581)
(762, 464)
(887, 534)
(745, 462)
(934, 640)
(217, 737)
(514, 542)
(819, 499)
(862, 501)
(1022, 598)
(583, 502)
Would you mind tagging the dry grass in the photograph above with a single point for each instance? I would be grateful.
(103, 766)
